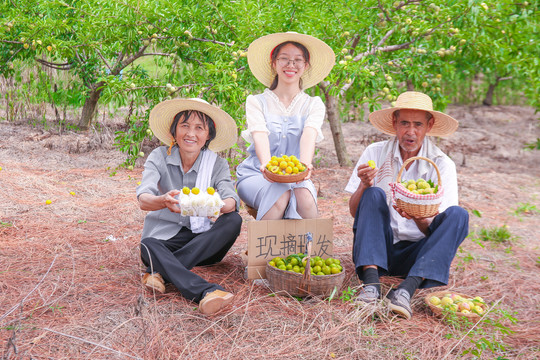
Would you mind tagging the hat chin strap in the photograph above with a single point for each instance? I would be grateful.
(173, 142)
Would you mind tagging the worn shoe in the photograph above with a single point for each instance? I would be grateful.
(154, 282)
(399, 302)
(368, 294)
(215, 301)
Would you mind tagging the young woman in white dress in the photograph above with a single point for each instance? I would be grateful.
(283, 120)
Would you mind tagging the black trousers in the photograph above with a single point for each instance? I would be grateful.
(174, 258)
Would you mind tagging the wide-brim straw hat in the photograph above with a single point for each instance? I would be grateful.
(443, 125)
(162, 116)
(321, 57)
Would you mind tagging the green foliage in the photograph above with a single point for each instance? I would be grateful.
(135, 54)
(234, 156)
(533, 145)
(476, 213)
(488, 334)
(526, 209)
(348, 295)
(500, 50)
(56, 309)
(497, 235)
(5, 224)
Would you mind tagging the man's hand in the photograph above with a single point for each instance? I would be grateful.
(366, 174)
(367, 177)
(422, 223)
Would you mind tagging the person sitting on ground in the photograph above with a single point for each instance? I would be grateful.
(388, 241)
(283, 120)
(172, 244)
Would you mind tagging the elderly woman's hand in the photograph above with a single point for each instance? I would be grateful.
(170, 202)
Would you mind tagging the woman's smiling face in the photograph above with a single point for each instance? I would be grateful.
(287, 72)
(191, 135)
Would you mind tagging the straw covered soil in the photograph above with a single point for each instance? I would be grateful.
(70, 271)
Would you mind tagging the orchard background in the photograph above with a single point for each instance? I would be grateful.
(77, 81)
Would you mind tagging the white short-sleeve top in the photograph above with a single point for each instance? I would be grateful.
(314, 110)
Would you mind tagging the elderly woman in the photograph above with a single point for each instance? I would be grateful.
(172, 244)
(283, 120)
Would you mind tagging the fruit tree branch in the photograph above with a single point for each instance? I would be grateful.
(158, 54)
(65, 66)
(214, 41)
(104, 60)
(383, 49)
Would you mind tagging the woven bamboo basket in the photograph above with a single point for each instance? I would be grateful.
(415, 205)
(287, 282)
(293, 178)
(439, 312)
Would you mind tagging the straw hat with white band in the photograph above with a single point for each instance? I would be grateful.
(444, 125)
(162, 116)
(322, 57)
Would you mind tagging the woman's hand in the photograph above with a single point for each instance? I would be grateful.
(309, 169)
(264, 173)
(230, 205)
(170, 202)
(151, 202)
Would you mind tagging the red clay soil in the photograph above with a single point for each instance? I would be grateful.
(70, 271)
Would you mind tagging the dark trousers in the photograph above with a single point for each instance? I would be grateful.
(429, 258)
(174, 258)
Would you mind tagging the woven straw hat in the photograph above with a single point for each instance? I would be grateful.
(444, 125)
(162, 116)
(322, 57)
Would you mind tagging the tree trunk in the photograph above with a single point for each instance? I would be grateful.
(89, 108)
(410, 85)
(488, 100)
(337, 133)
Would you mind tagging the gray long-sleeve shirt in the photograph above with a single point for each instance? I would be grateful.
(163, 173)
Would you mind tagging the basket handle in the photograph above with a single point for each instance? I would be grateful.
(307, 272)
(419, 158)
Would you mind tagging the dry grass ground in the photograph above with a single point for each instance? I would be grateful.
(69, 275)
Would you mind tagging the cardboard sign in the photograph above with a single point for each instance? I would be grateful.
(270, 238)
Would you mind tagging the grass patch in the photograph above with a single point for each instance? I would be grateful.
(496, 235)
(526, 209)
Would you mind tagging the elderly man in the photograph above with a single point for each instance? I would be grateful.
(388, 241)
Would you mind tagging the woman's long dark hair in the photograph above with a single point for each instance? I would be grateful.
(183, 117)
(274, 54)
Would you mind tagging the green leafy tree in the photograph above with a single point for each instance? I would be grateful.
(100, 42)
(502, 48)
(135, 54)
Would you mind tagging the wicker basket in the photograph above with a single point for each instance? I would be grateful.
(287, 282)
(293, 178)
(415, 205)
(439, 312)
